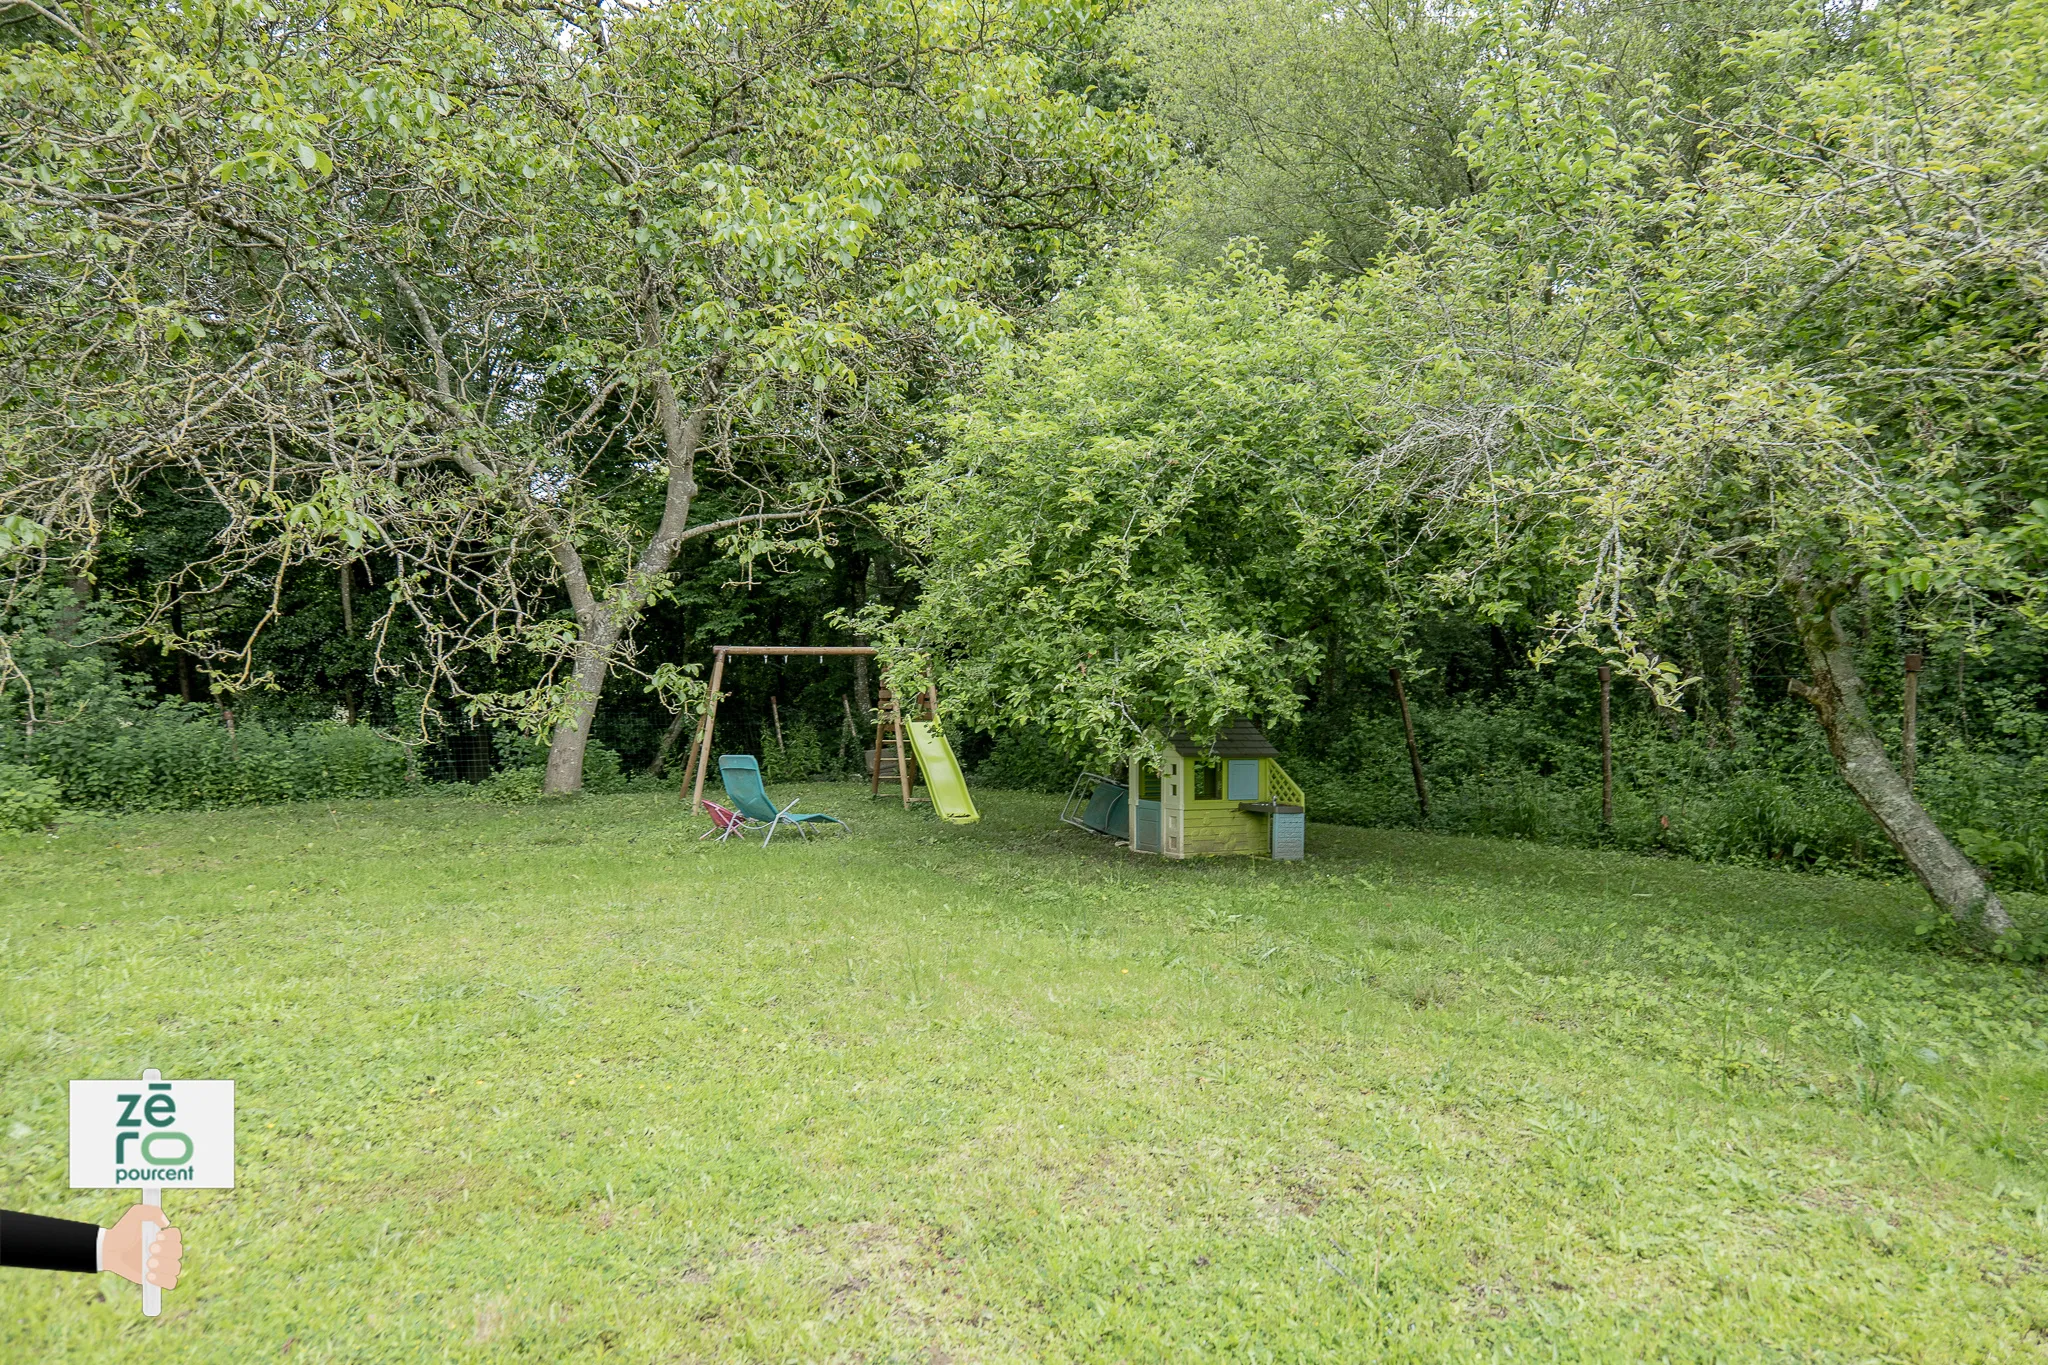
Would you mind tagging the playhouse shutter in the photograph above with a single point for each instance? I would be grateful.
(1244, 780)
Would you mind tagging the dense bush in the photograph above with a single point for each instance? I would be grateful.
(177, 757)
(28, 800)
(1025, 759)
(100, 738)
(523, 760)
(798, 758)
(1770, 796)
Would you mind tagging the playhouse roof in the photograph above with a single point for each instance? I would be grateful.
(1239, 738)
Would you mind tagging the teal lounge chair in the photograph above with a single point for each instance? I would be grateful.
(742, 778)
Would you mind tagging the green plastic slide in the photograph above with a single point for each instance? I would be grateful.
(942, 775)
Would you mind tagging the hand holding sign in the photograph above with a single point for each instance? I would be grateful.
(123, 1250)
(147, 1135)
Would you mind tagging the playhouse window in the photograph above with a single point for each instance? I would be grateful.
(1148, 784)
(1208, 781)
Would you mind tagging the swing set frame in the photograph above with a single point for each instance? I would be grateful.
(888, 715)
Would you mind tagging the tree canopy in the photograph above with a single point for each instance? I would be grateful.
(525, 299)
(1666, 352)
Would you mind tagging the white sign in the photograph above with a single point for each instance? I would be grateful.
(173, 1134)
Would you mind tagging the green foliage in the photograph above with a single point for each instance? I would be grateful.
(800, 756)
(175, 758)
(511, 786)
(523, 299)
(1313, 128)
(1138, 519)
(523, 759)
(69, 713)
(1765, 372)
(28, 800)
(1511, 768)
(1308, 126)
(1026, 759)
(1669, 360)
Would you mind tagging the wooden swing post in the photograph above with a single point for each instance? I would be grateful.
(710, 718)
(902, 760)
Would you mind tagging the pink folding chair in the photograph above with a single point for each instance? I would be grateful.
(725, 823)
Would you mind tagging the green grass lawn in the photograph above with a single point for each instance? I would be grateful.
(555, 1082)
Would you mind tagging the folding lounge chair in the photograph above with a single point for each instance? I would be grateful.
(725, 823)
(742, 778)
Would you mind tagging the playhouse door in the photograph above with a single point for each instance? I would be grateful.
(1148, 827)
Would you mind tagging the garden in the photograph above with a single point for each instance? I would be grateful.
(1466, 587)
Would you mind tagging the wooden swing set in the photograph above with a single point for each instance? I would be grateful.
(888, 715)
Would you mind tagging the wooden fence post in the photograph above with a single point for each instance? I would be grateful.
(1909, 737)
(881, 720)
(1131, 806)
(1606, 747)
(1414, 754)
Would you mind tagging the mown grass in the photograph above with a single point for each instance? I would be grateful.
(560, 1082)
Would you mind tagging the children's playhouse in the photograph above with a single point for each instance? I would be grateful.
(1229, 797)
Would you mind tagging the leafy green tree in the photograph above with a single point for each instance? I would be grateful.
(521, 300)
(1808, 367)
(1667, 356)
(1306, 123)
(1148, 520)
(1299, 122)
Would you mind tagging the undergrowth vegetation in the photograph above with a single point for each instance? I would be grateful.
(1526, 765)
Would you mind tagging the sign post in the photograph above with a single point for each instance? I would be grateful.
(148, 1135)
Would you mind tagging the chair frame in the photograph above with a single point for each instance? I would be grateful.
(726, 823)
(782, 815)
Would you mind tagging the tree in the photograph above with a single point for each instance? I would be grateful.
(1785, 346)
(519, 301)
(1809, 367)
(1160, 514)
(1301, 122)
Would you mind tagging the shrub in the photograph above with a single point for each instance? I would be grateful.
(510, 786)
(28, 800)
(602, 769)
(177, 757)
(1025, 759)
(523, 759)
(1515, 771)
(800, 756)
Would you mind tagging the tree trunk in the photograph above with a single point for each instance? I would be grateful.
(863, 698)
(185, 689)
(668, 743)
(572, 736)
(603, 625)
(1836, 692)
(1735, 665)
